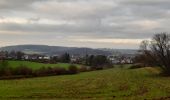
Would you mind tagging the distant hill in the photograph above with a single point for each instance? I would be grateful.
(53, 50)
(58, 50)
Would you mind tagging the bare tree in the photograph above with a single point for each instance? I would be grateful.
(144, 45)
(160, 48)
(157, 52)
(145, 57)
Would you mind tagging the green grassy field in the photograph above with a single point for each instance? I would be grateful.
(35, 65)
(116, 83)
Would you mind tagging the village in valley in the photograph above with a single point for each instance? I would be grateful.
(76, 58)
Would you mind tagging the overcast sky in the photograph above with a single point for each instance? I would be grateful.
(82, 23)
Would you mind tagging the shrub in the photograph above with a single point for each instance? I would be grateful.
(99, 68)
(59, 71)
(50, 71)
(135, 66)
(23, 70)
(83, 69)
(44, 71)
(40, 72)
(5, 70)
(96, 68)
(72, 69)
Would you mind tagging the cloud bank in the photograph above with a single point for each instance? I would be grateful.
(87, 23)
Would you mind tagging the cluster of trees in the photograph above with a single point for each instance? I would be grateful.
(12, 55)
(97, 62)
(156, 52)
(65, 58)
(92, 60)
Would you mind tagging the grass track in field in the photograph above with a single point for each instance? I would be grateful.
(116, 83)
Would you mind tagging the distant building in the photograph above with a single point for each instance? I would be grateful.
(113, 59)
(26, 57)
(46, 57)
(121, 59)
(75, 58)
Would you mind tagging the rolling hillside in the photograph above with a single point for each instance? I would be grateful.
(52, 50)
(116, 83)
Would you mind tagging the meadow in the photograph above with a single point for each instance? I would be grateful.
(115, 83)
(35, 65)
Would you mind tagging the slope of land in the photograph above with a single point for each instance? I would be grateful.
(116, 83)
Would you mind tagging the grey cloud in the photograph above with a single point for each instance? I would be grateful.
(128, 19)
(15, 4)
